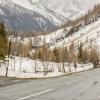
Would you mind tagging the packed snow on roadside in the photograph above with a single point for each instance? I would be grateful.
(25, 68)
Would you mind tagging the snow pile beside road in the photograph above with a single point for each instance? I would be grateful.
(27, 68)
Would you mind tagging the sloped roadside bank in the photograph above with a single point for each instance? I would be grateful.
(5, 81)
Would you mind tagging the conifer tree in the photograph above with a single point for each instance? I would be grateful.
(80, 53)
(3, 41)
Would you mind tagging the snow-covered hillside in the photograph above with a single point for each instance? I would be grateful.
(59, 38)
(70, 8)
(25, 15)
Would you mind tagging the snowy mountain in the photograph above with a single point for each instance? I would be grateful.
(41, 15)
(70, 8)
(27, 16)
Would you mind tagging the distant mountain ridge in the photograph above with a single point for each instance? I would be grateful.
(28, 17)
(41, 15)
(70, 8)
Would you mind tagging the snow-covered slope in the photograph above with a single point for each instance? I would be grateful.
(86, 35)
(70, 8)
(26, 15)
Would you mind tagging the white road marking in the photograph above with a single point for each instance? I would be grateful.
(36, 94)
(68, 83)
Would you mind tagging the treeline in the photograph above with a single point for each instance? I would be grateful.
(68, 54)
(25, 34)
(20, 47)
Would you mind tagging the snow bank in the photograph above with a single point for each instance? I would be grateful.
(27, 68)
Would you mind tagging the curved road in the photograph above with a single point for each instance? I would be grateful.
(79, 86)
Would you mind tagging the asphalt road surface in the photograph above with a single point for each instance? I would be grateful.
(79, 86)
